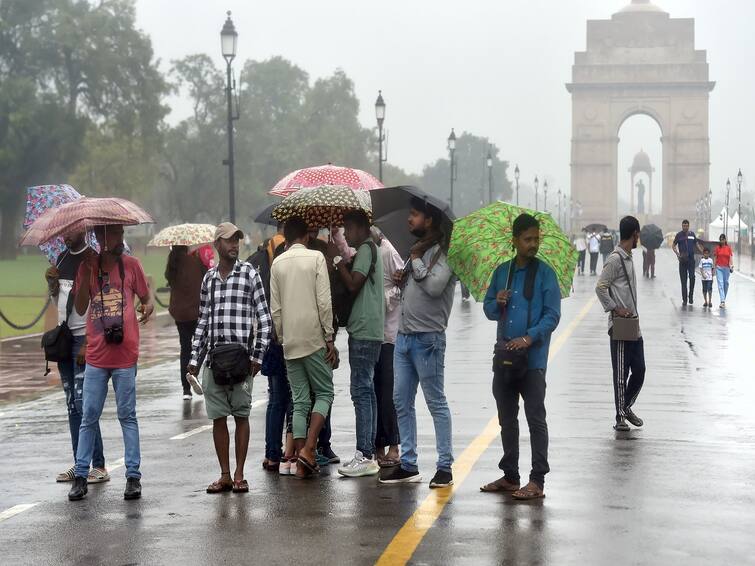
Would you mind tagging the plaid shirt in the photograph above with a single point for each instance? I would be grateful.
(236, 301)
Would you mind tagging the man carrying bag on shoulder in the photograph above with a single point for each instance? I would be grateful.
(232, 296)
(617, 292)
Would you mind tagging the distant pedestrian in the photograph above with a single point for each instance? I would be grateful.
(184, 274)
(685, 245)
(233, 314)
(61, 280)
(724, 268)
(302, 312)
(364, 281)
(426, 302)
(606, 244)
(617, 292)
(706, 276)
(593, 246)
(648, 263)
(580, 244)
(525, 300)
(387, 438)
(107, 284)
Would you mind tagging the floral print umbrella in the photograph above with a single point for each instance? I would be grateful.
(330, 175)
(482, 241)
(323, 207)
(42, 198)
(184, 235)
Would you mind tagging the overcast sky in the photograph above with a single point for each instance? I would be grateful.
(496, 68)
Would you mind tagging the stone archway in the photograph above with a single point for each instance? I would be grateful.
(640, 61)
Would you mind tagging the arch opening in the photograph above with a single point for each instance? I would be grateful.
(640, 167)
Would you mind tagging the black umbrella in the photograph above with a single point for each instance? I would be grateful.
(651, 236)
(390, 211)
(265, 216)
(595, 228)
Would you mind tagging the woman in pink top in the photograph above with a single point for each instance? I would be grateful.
(724, 267)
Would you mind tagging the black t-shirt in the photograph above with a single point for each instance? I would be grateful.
(686, 242)
(68, 264)
(606, 243)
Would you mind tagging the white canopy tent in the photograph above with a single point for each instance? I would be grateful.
(716, 228)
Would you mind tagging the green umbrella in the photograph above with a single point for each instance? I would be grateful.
(482, 241)
(323, 207)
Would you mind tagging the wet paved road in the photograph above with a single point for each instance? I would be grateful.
(680, 489)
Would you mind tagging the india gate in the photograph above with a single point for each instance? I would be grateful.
(641, 61)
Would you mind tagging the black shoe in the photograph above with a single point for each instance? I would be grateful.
(133, 489)
(621, 425)
(684, 302)
(79, 489)
(632, 418)
(397, 474)
(442, 479)
(690, 300)
(329, 454)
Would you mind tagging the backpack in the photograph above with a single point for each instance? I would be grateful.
(343, 300)
(260, 260)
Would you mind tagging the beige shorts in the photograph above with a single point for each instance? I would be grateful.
(226, 400)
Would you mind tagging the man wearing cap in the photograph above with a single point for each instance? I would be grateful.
(232, 295)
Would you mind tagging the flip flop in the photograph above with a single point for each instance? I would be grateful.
(306, 469)
(219, 486)
(501, 485)
(240, 486)
(528, 492)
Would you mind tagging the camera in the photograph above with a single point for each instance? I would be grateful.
(114, 334)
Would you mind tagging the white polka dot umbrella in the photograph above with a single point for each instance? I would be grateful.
(325, 175)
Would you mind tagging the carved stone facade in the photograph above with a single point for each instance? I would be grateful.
(641, 61)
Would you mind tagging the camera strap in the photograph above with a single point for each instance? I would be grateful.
(121, 272)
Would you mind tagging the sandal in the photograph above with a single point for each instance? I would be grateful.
(529, 491)
(240, 486)
(500, 485)
(306, 469)
(219, 486)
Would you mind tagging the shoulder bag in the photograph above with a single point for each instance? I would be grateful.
(229, 361)
(626, 329)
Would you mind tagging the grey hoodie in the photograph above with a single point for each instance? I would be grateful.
(613, 288)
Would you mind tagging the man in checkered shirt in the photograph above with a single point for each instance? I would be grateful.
(238, 297)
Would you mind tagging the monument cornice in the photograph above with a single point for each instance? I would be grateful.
(708, 86)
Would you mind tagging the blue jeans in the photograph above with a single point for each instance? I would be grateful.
(363, 355)
(722, 276)
(279, 398)
(418, 360)
(95, 392)
(72, 377)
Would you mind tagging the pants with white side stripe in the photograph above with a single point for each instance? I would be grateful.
(627, 358)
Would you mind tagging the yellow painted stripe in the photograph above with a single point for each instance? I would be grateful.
(406, 541)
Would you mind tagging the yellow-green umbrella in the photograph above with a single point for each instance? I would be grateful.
(482, 240)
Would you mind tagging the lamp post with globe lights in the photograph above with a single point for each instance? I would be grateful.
(452, 157)
(228, 44)
(380, 116)
(516, 178)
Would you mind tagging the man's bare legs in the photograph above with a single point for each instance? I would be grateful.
(222, 446)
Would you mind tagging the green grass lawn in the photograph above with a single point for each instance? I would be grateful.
(23, 287)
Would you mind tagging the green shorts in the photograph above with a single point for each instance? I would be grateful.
(226, 400)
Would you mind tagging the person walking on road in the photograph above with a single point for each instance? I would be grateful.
(525, 300)
(617, 292)
(364, 281)
(387, 437)
(685, 245)
(580, 244)
(302, 312)
(706, 276)
(648, 263)
(184, 274)
(593, 246)
(606, 244)
(724, 268)
(61, 280)
(427, 297)
(107, 284)
(231, 299)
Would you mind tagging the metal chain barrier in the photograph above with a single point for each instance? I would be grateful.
(157, 299)
(31, 324)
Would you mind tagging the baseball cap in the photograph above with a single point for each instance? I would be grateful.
(226, 231)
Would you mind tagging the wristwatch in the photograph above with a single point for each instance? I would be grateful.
(336, 260)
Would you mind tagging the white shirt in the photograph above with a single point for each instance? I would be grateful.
(392, 262)
(594, 243)
(580, 244)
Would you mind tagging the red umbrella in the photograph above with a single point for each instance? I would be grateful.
(81, 215)
(325, 175)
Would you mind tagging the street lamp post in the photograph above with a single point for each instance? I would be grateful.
(710, 208)
(559, 208)
(726, 207)
(516, 178)
(228, 43)
(537, 194)
(490, 176)
(380, 115)
(452, 152)
(545, 196)
(739, 216)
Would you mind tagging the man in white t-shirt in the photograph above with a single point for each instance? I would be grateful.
(593, 245)
(580, 243)
(60, 281)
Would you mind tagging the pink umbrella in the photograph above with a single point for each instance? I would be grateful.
(325, 175)
(81, 215)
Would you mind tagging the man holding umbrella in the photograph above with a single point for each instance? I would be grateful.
(110, 281)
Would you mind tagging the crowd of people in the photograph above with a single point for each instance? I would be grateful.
(278, 313)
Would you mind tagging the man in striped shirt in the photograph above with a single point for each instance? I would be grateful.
(232, 296)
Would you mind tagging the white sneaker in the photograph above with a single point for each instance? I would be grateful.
(359, 466)
(195, 385)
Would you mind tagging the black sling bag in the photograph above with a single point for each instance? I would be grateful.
(229, 361)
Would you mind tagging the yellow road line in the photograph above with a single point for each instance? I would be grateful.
(408, 538)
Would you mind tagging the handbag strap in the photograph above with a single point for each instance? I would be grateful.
(529, 285)
(629, 282)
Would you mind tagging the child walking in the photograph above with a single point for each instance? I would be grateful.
(706, 274)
